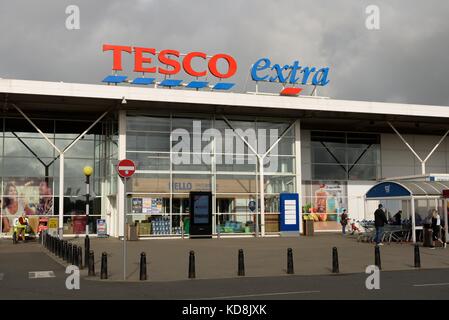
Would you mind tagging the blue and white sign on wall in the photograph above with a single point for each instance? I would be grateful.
(289, 212)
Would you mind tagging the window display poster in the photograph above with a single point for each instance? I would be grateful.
(136, 205)
(156, 205)
(29, 196)
(146, 205)
(325, 200)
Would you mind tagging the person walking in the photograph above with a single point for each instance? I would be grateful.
(344, 221)
(379, 222)
(436, 228)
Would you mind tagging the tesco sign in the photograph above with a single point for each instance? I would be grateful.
(170, 62)
(264, 70)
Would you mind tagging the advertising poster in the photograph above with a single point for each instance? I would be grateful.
(146, 205)
(156, 205)
(101, 228)
(324, 202)
(29, 196)
(136, 205)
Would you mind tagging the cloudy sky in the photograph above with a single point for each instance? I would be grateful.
(406, 60)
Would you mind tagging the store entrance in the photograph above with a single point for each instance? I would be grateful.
(224, 209)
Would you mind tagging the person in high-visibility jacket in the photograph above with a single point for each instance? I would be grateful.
(20, 225)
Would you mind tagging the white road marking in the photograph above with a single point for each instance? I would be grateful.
(260, 295)
(1, 276)
(40, 274)
(431, 284)
(125, 168)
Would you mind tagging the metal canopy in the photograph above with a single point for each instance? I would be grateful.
(407, 189)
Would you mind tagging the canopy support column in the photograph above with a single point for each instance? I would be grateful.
(412, 208)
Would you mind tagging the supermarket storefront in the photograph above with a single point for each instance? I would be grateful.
(328, 151)
(178, 153)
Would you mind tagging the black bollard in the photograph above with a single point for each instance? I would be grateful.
(377, 257)
(75, 255)
(104, 266)
(52, 246)
(91, 264)
(192, 274)
(143, 266)
(80, 258)
(241, 263)
(335, 265)
(69, 253)
(417, 257)
(61, 242)
(86, 250)
(66, 251)
(290, 269)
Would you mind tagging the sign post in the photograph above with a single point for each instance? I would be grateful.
(125, 169)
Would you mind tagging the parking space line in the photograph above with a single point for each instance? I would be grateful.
(1, 276)
(431, 284)
(40, 274)
(260, 295)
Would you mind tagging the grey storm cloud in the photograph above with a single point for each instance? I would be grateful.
(407, 60)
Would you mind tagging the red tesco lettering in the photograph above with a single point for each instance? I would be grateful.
(144, 61)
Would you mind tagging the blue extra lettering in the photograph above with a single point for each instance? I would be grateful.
(320, 77)
(260, 65)
(279, 73)
(297, 73)
(295, 67)
(306, 73)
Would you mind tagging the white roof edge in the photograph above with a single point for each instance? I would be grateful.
(216, 98)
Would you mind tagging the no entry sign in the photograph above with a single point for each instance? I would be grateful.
(126, 168)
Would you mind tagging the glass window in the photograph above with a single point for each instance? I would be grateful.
(324, 171)
(144, 123)
(236, 183)
(278, 183)
(150, 160)
(145, 141)
(342, 156)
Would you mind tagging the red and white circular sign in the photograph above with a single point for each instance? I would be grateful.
(126, 168)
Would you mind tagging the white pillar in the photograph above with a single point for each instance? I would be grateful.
(445, 219)
(262, 197)
(412, 208)
(119, 230)
(61, 195)
(298, 161)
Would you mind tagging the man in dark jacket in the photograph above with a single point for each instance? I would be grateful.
(380, 219)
